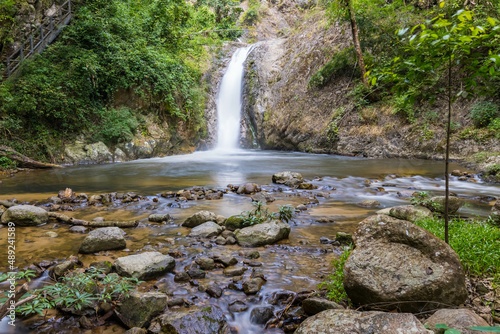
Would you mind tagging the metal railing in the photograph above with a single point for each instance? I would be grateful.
(49, 29)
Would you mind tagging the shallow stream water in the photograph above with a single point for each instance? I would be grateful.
(296, 264)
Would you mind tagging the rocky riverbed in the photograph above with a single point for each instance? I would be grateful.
(199, 264)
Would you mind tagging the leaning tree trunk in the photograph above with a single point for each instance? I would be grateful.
(357, 44)
(23, 160)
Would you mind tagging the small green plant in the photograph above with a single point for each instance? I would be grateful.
(118, 126)
(448, 330)
(76, 291)
(422, 198)
(332, 129)
(343, 63)
(334, 284)
(250, 17)
(493, 169)
(403, 106)
(495, 127)
(261, 214)
(6, 163)
(482, 113)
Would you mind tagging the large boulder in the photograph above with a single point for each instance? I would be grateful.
(248, 188)
(263, 234)
(315, 305)
(208, 320)
(138, 309)
(354, 322)
(411, 213)
(397, 264)
(25, 215)
(459, 319)
(206, 230)
(437, 204)
(104, 238)
(144, 266)
(200, 218)
(290, 179)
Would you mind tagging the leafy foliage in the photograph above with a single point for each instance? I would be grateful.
(260, 214)
(343, 63)
(145, 48)
(77, 291)
(423, 198)
(476, 243)
(484, 112)
(334, 284)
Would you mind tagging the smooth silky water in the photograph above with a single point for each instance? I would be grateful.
(296, 264)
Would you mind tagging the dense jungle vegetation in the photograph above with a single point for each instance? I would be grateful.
(153, 47)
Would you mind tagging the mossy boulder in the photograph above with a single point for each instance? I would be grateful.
(234, 222)
(410, 212)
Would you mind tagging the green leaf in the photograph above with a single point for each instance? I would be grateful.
(441, 4)
(374, 81)
(452, 331)
(443, 326)
(491, 21)
(486, 329)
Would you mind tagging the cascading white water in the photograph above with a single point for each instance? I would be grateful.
(229, 102)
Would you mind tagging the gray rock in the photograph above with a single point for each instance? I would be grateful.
(25, 215)
(62, 268)
(253, 285)
(144, 266)
(220, 240)
(205, 262)
(194, 272)
(199, 218)
(369, 203)
(136, 330)
(176, 301)
(230, 241)
(385, 211)
(238, 271)
(249, 188)
(316, 305)
(263, 234)
(104, 238)
(226, 260)
(403, 266)
(290, 179)
(138, 309)
(208, 320)
(410, 212)
(214, 290)
(98, 153)
(206, 230)
(78, 229)
(460, 319)
(261, 314)
(438, 204)
(158, 218)
(353, 322)
(234, 222)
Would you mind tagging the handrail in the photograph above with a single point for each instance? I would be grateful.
(45, 34)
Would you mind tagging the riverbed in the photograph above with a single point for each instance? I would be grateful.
(297, 264)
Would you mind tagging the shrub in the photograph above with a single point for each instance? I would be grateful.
(250, 17)
(476, 243)
(342, 64)
(482, 113)
(334, 284)
(6, 163)
(117, 126)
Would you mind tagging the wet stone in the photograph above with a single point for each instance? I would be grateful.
(260, 315)
(205, 263)
(230, 241)
(78, 229)
(176, 301)
(234, 271)
(195, 272)
(220, 240)
(238, 306)
(253, 263)
(213, 290)
(252, 255)
(226, 260)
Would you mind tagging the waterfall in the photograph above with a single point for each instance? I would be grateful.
(229, 102)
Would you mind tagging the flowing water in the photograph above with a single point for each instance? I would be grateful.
(296, 264)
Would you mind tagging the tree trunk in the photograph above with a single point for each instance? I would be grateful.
(447, 158)
(357, 44)
(23, 160)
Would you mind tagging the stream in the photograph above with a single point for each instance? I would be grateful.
(297, 264)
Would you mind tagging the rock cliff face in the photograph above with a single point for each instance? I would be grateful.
(282, 112)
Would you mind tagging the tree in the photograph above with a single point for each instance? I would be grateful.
(345, 9)
(449, 45)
